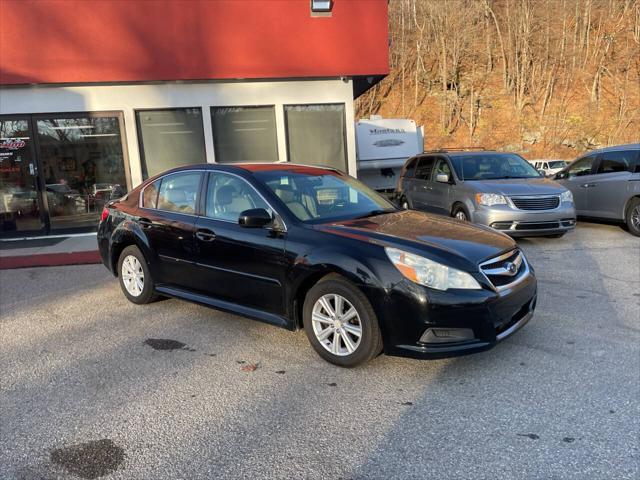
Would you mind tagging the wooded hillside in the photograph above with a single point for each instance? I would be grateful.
(547, 78)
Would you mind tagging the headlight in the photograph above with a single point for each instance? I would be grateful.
(566, 196)
(489, 199)
(429, 273)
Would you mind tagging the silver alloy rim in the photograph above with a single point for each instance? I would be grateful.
(336, 324)
(132, 275)
(460, 215)
(635, 218)
(405, 205)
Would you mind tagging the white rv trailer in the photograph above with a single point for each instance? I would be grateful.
(382, 147)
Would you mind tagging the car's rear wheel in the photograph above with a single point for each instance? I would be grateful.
(460, 213)
(135, 277)
(404, 203)
(633, 217)
(340, 323)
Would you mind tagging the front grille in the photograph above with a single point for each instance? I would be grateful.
(536, 203)
(506, 269)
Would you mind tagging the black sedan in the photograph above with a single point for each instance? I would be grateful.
(306, 247)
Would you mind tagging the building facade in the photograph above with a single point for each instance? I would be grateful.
(95, 97)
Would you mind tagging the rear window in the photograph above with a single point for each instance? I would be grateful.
(150, 195)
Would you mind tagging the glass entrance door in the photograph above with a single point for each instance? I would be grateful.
(20, 195)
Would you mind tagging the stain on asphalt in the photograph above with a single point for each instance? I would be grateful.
(281, 372)
(240, 362)
(612, 411)
(166, 344)
(212, 354)
(568, 439)
(89, 460)
(407, 403)
(532, 436)
(332, 384)
(581, 296)
(570, 342)
(522, 364)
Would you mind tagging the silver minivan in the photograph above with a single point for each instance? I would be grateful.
(501, 190)
(606, 184)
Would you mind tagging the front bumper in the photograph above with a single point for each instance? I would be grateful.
(521, 223)
(411, 311)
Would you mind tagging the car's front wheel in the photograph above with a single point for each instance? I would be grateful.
(340, 322)
(633, 217)
(135, 277)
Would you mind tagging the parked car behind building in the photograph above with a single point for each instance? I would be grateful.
(606, 184)
(501, 190)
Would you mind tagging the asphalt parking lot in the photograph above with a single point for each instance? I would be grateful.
(84, 375)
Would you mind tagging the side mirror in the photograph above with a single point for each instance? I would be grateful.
(254, 218)
(442, 178)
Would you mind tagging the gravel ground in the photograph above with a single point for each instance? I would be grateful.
(87, 390)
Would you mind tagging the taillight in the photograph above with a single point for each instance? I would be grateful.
(105, 214)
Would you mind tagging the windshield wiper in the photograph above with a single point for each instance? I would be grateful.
(380, 211)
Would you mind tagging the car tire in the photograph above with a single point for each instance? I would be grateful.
(342, 347)
(134, 276)
(460, 213)
(632, 218)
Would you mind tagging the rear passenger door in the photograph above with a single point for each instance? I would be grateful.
(167, 217)
(421, 193)
(610, 188)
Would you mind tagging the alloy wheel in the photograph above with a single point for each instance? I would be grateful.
(460, 215)
(336, 324)
(132, 275)
(635, 217)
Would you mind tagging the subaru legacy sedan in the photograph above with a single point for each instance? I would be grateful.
(310, 248)
(500, 190)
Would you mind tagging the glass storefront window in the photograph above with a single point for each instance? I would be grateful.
(170, 138)
(19, 202)
(244, 134)
(316, 135)
(83, 166)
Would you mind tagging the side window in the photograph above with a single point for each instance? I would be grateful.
(545, 165)
(621, 161)
(150, 195)
(409, 169)
(228, 196)
(581, 167)
(425, 165)
(442, 167)
(178, 192)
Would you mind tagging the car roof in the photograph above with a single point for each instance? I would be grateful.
(626, 146)
(249, 168)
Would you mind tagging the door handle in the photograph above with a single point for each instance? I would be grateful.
(145, 223)
(205, 235)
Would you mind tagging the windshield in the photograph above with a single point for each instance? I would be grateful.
(492, 166)
(323, 195)
(558, 164)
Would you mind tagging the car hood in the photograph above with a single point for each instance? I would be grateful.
(517, 186)
(459, 244)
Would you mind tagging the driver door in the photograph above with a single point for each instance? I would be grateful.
(578, 177)
(244, 266)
